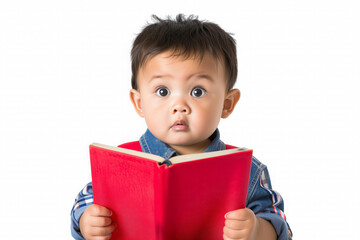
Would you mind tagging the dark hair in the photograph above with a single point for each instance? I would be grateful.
(187, 37)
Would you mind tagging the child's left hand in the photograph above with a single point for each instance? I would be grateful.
(240, 224)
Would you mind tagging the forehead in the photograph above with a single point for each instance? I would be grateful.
(189, 62)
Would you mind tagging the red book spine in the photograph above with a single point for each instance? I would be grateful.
(160, 192)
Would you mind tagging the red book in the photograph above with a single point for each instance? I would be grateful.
(186, 200)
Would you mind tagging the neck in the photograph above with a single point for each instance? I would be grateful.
(193, 148)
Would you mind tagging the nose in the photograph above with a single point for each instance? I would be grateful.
(180, 108)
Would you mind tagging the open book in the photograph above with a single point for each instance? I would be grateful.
(185, 198)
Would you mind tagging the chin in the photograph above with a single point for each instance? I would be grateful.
(180, 142)
(184, 142)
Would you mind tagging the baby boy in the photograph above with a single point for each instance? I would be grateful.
(183, 73)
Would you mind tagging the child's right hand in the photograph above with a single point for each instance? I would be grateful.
(95, 223)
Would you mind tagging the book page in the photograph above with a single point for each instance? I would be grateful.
(197, 156)
(130, 152)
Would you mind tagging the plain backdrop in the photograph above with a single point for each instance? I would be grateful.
(64, 82)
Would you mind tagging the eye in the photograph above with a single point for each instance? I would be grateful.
(162, 91)
(198, 92)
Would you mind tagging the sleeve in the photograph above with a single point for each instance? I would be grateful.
(83, 200)
(266, 202)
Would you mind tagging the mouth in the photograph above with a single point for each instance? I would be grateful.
(179, 125)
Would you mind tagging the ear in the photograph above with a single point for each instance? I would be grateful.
(231, 99)
(135, 98)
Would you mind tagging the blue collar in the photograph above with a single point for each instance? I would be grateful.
(150, 144)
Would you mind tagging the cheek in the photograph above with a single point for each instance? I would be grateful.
(208, 115)
(215, 108)
(154, 114)
(149, 104)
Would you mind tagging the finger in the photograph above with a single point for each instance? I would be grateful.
(97, 210)
(107, 237)
(103, 231)
(240, 214)
(226, 237)
(100, 221)
(235, 224)
(233, 234)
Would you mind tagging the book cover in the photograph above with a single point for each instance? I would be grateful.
(186, 200)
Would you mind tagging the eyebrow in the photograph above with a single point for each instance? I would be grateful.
(160, 76)
(205, 76)
(196, 75)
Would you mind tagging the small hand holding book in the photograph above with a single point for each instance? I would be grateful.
(186, 198)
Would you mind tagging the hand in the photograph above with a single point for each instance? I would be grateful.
(95, 223)
(240, 224)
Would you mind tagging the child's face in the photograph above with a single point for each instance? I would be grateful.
(182, 100)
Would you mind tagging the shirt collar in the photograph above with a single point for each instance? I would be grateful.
(150, 144)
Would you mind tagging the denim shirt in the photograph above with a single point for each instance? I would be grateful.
(150, 144)
(261, 198)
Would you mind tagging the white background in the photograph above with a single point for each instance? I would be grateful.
(64, 82)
